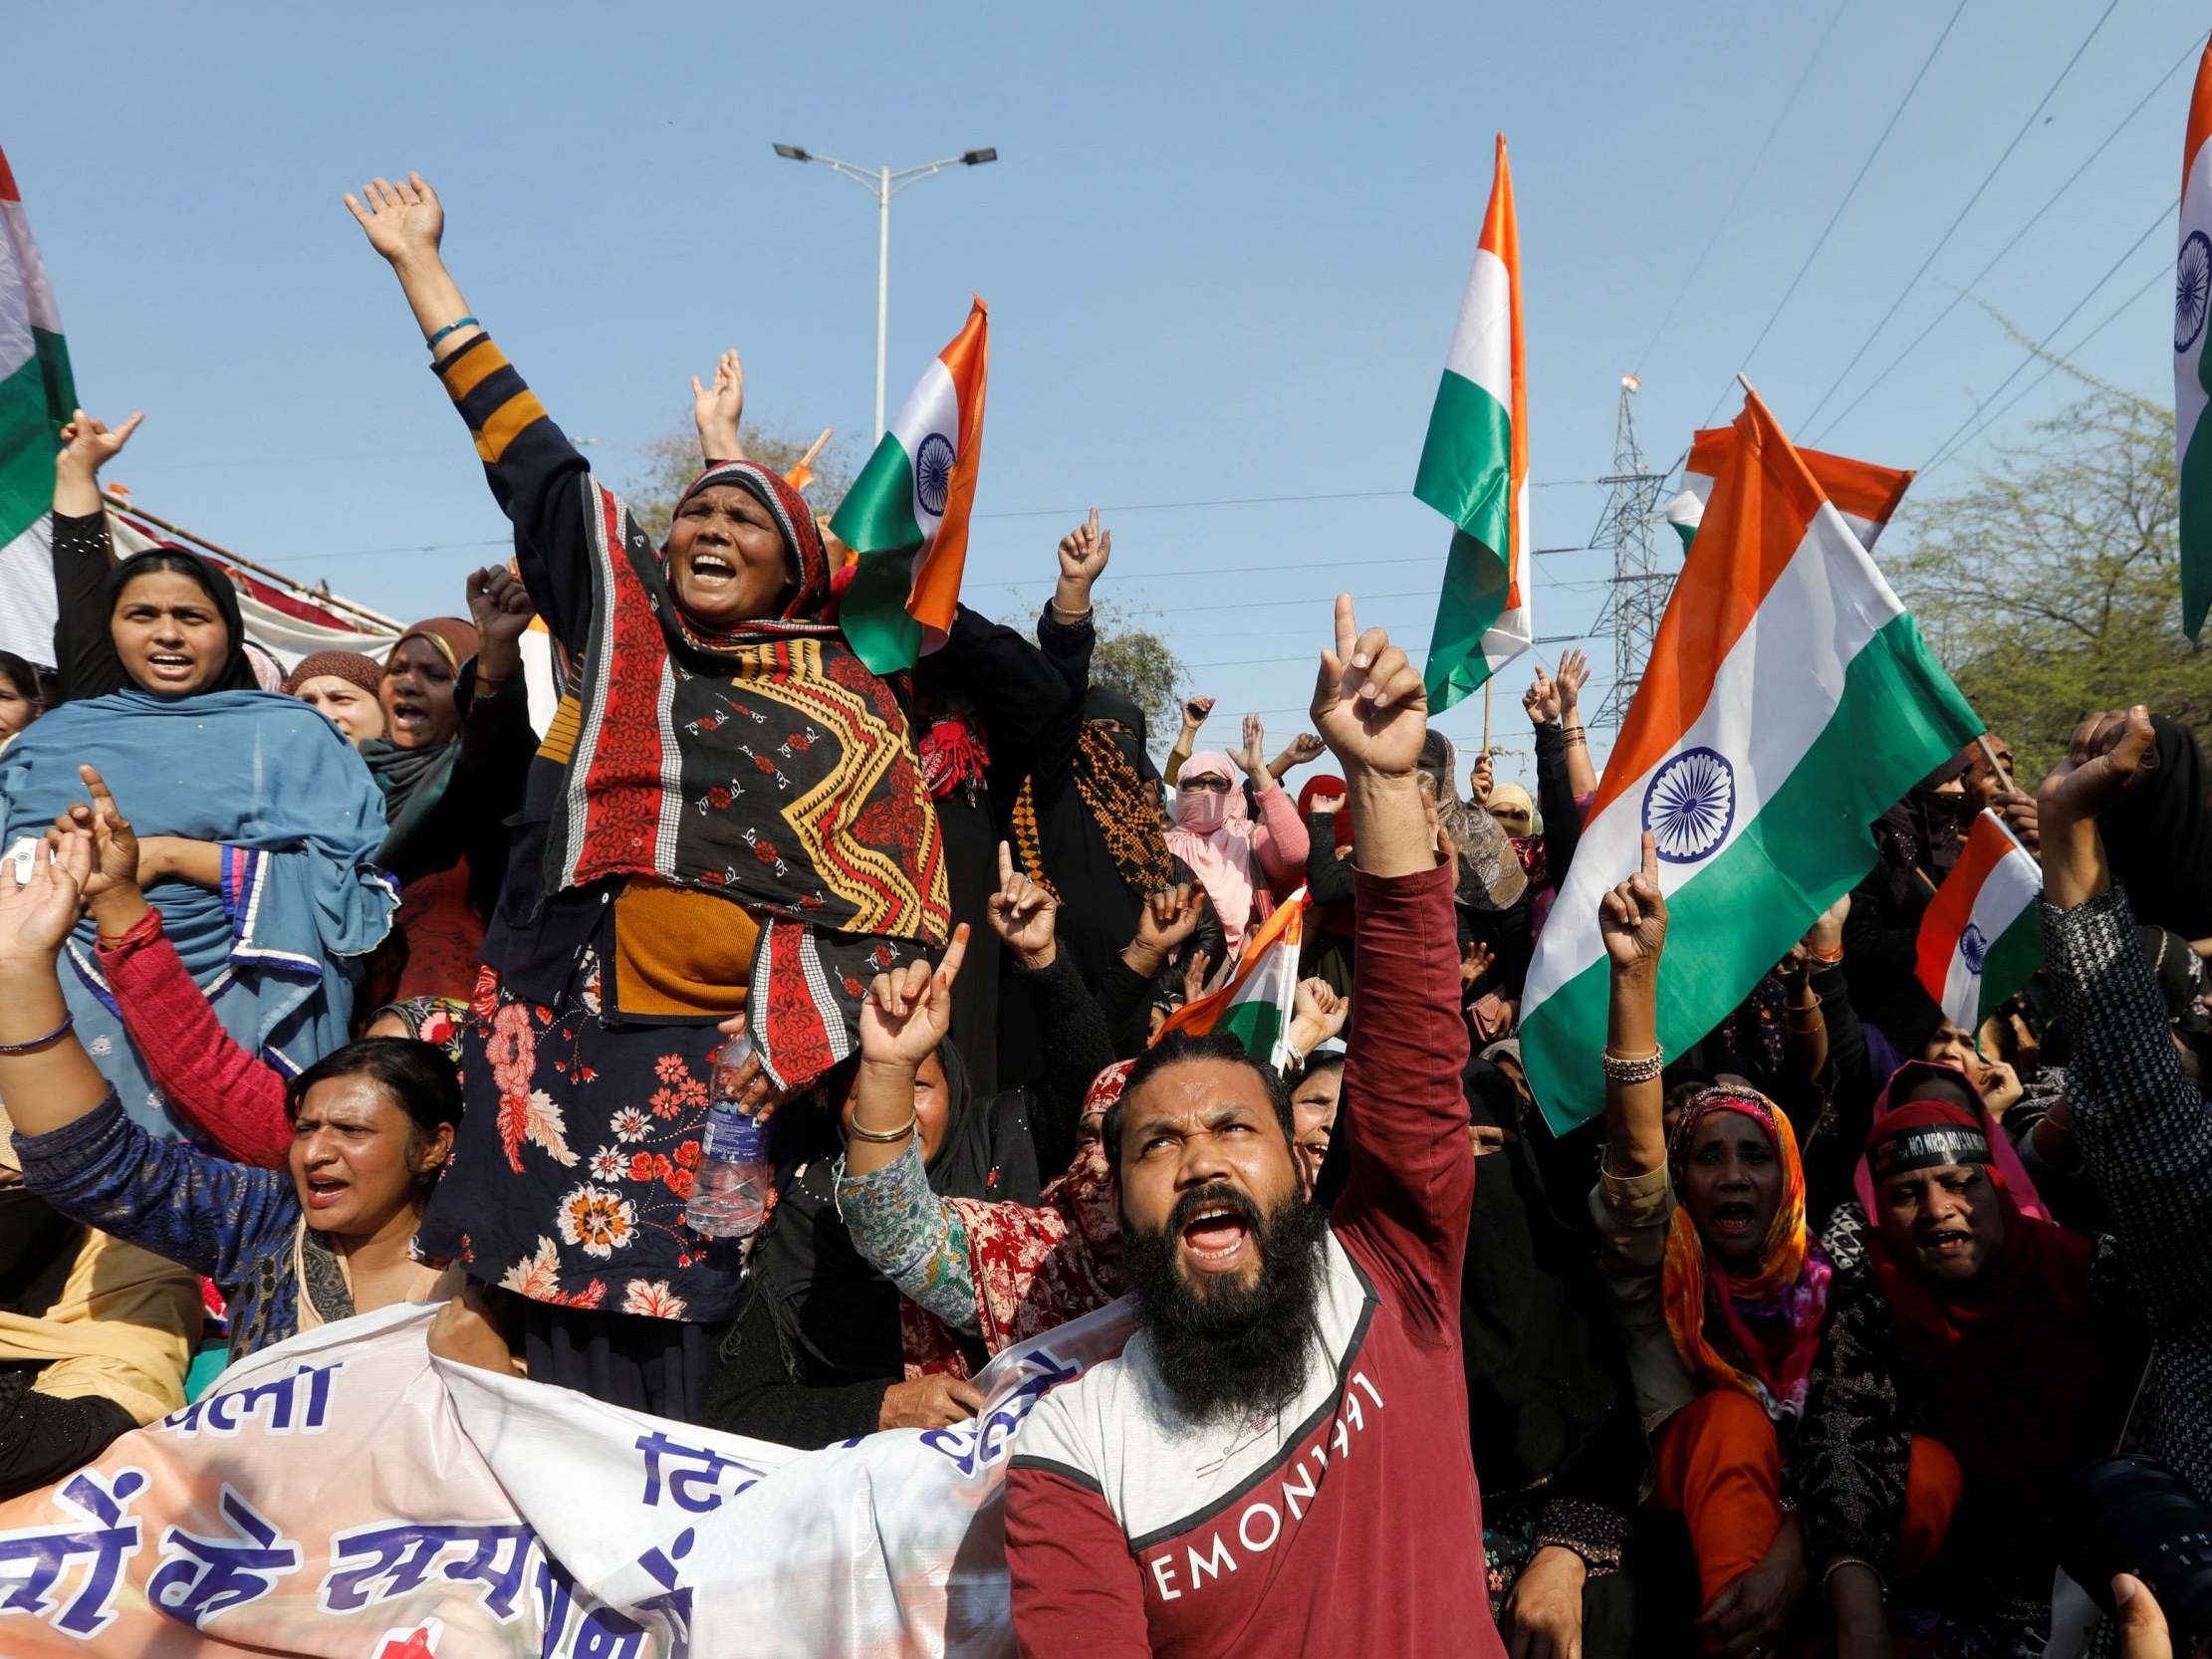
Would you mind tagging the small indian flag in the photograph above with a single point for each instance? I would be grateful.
(1255, 1005)
(37, 397)
(1864, 493)
(1980, 940)
(906, 515)
(1799, 704)
(2192, 299)
(1475, 467)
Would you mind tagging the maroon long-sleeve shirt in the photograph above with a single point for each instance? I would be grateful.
(1352, 1522)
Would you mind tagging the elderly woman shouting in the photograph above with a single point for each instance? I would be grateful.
(738, 824)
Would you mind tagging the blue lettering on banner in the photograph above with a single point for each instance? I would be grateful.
(201, 1577)
(32, 1559)
(277, 1402)
(595, 1632)
(992, 1439)
(695, 1488)
(378, 1563)
(672, 1607)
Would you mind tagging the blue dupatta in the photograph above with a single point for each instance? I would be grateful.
(299, 820)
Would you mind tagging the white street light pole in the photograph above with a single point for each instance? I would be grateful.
(883, 185)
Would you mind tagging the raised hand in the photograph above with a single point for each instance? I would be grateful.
(1252, 758)
(1194, 975)
(499, 603)
(88, 444)
(1167, 917)
(2109, 751)
(1475, 960)
(1024, 915)
(1195, 711)
(403, 221)
(718, 409)
(1632, 918)
(1482, 779)
(1083, 553)
(1826, 936)
(1300, 750)
(1370, 705)
(115, 850)
(1541, 699)
(1573, 675)
(907, 1012)
(36, 915)
(1317, 1006)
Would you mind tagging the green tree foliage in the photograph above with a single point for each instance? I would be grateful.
(1140, 666)
(672, 461)
(2051, 584)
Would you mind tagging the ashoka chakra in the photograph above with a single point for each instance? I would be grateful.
(2192, 290)
(933, 473)
(1690, 805)
(1973, 947)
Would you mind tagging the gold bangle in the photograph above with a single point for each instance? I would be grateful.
(880, 1137)
(1633, 1068)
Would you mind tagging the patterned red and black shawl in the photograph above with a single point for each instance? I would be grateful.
(766, 763)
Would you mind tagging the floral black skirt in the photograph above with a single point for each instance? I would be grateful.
(575, 1157)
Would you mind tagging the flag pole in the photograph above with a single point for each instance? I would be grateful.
(1486, 717)
(125, 505)
(1995, 765)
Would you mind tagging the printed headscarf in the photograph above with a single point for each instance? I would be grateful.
(1773, 1316)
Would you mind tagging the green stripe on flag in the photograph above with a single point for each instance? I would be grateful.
(1899, 716)
(1257, 1023)
(2011, 962)
(876, 521)
(2196, 510)
(1472, 599)
(1467, 461)
(35, 402)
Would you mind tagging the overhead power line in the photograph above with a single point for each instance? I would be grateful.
(1959, 217)
(1944, 450)
(1828, 229)
(1973, 283)
(1780, 115)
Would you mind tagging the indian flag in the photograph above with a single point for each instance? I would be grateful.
(2192, 299)
(1788, 703)
(906, 515)
(1475, 467)
(37, 397)
(1864, 493)
(1255, 1005)
(1980, 940)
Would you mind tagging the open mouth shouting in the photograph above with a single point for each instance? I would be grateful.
(712, 568)
(1219, 1237)
(1734, 1218)
(171, 668)
(1946, 1243)
(410, 714)
(324, 1192)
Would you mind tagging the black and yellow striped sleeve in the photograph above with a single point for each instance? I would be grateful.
(537, 477)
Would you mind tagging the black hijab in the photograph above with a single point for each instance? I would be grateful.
(237, 672)
(2158, 836)
(1102, 702)
(837, 1316)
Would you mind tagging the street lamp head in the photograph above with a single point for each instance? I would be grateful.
(791, 152)
(976, 157)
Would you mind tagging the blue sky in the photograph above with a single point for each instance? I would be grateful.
(1223, 247)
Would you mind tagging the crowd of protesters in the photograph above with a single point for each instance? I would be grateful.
(364, 990)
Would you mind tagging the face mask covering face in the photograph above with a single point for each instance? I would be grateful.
(1201, 810)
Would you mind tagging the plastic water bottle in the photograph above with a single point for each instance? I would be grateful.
(729, 1197)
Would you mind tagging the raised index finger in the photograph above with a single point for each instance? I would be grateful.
(1348, 629)
(1650, 858)
(1006, 864)
(949, 969)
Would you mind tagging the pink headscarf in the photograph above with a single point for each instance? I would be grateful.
(1219, 849)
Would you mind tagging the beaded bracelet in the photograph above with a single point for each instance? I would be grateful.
(432, 342)
(1635, 1068)
(59, 1032)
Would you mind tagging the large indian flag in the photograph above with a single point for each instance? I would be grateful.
(37, 397)
(2192, 301)
(1475, 467)
(1980, 940)
(1255, 1005)
(1864, 493)
(906, 515)
(1788, 703)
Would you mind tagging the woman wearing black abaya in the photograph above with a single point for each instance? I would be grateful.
(2158, 835)
(824, 1347)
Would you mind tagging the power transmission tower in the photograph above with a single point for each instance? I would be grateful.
(1640, 584)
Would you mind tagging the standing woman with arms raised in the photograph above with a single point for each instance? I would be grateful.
(741, 825)
(260, 822)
